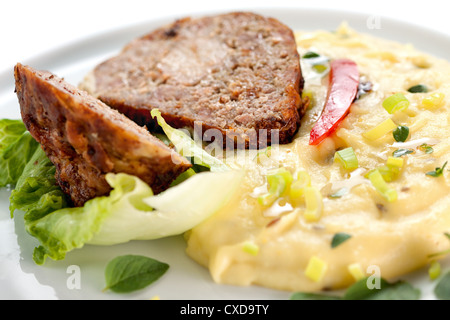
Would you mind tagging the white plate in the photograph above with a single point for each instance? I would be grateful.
(20, 278)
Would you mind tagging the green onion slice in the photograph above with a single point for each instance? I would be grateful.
(347, 158)
(396, 102)
(381, 186)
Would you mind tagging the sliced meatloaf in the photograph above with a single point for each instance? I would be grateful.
(237, 72)
(85, 139)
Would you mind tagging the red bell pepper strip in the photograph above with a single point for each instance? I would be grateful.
(344, 81)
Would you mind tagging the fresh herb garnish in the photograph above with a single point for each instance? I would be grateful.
(132, 272)
(399, 290)
(442, 289)
(310, 55)
(426, 148)
(402, 152)
(420, 88)
(437, 172)
(401, 133)
(339, 238)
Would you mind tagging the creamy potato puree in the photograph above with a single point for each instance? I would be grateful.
(395, 237)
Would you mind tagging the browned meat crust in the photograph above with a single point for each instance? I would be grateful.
(85, 139)
(238, 73)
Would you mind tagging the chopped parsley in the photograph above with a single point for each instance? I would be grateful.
(339, 238)
(401, 133)
(437, 172)
(402, 152)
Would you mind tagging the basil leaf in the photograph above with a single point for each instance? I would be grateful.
(401, 133)
(420, 88)
(442, 289)
(339, 238)
(402, 152)
(312, 296)
(399, 290)
(132, 272)
(438, 172)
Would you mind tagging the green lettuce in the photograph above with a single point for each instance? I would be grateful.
(129, 212)
(187, 147)
(132, 212)
(36, 192)
(15, 157)
(10, 131)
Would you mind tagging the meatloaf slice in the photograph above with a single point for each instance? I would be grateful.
(237, 72)
(85, 139)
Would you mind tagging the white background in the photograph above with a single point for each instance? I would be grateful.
(31, 27)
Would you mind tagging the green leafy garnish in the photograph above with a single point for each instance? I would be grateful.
(437, 172)
(15, 157)
(420, 88)
(310, 55)
(399, 290)
(339, 238)
(442, 289)
(402, 152)
(10, 131)
(312, 296)
(401, 133)
(132, 272)
(426, 148)
(187, 147)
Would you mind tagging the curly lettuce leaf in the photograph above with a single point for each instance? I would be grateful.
(10, 131)
(138, 215)
(36, 192)
(127, 213)
(15, 157)
(187, 147)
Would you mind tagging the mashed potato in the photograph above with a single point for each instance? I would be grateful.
(247, 243)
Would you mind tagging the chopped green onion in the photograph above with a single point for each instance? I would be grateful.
(251, 248)
(316, 269)
(314, 204)
(298, 187)
(434, 101)
(310, 54)
(420, 88)
(396, 102)
(279, 181)
(320, 68)
(380, 130)
(438, 172)
(402, 152)
(381, 186)
(347, 158)
(401, 133)
(356, 271)
(395, 162)
(435, 270)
